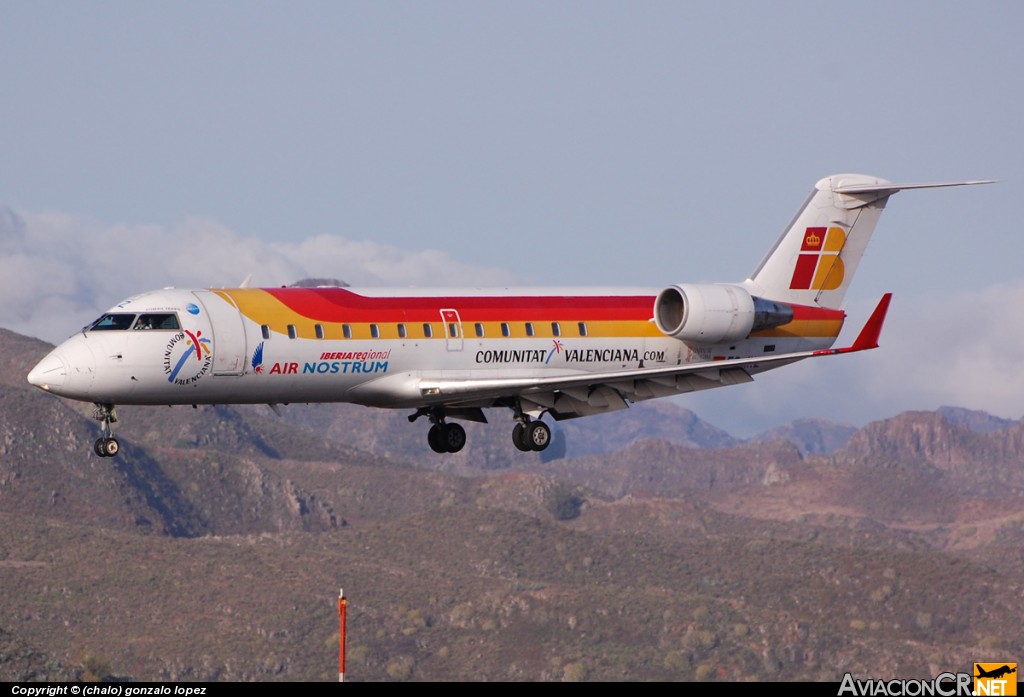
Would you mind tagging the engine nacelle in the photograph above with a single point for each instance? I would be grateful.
(705, 313)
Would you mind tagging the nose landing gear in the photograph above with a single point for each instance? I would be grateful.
(106, 445)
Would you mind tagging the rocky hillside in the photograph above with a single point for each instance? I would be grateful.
(213, 547)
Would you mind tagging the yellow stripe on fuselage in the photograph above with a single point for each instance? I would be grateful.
(803, 328)
(264, 309)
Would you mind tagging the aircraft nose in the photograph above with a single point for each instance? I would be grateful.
(68, 370)
(50, 372)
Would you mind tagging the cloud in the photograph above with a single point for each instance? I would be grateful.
(58, 272)
(959, 348)
(963, 348)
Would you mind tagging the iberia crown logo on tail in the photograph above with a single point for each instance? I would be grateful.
(819, 267)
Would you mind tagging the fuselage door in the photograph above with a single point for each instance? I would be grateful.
(229, 349)
(452, 329)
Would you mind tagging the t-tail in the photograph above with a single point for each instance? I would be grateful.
(816, 257)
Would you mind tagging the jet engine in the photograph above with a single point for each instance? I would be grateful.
(704, 313)
(714, 313)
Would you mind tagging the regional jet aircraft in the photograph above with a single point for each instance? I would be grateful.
(449, 354)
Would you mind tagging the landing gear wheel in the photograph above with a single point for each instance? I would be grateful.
(106, 447)
(111, 447)
(519, 438)
(537, 435)
(454, 437)
(435, 439)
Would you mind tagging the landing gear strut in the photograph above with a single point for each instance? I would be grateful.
(106, 445)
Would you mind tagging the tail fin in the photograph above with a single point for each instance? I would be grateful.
(815, 259)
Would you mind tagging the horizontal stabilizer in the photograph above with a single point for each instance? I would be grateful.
(818, 254)
(892, 188)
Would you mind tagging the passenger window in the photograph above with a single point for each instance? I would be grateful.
(555, 329)
(505, 331)
(292, 332)
(374, 331)
(453, 330)
(346, 331)
(479, 328)
(266, 331)
(113, 320)
(402, 333)
(583, 328)
(319, 331)
(529, 329)
(427, 330)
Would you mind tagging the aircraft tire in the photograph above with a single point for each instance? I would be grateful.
(537, 435)
(111, 447)
(519, 438)
(99, 447)
(454, 437)
(435, 439)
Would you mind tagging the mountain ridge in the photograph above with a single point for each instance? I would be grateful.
(212, 548)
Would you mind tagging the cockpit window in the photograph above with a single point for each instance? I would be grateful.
(163, 320)
(113, 320)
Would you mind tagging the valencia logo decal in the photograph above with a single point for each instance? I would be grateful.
(183, 347)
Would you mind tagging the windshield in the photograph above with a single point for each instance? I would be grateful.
(163, 320)
(113, 320)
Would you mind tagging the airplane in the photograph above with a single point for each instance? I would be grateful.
(448, 354)
(996, 672)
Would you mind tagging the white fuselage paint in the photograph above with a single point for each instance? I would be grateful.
(163, 366)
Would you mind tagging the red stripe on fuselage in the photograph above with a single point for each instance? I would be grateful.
(805, 312)
(340, 305)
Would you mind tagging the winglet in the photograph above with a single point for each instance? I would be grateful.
(868, 337)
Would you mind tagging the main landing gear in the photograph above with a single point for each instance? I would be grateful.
(531, 435)
(106, 445)
(443, 437)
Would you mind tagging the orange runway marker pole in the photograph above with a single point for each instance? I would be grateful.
(342, 607)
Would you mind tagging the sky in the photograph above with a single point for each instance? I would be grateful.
(531, 143)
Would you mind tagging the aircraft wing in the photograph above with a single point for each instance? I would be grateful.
(591, 393)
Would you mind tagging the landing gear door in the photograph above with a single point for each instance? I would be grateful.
(229, 349)
(452, 329)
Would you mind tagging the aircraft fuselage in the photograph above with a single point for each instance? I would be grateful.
(337, 345)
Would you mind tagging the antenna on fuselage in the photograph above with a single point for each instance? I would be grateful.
(245, 282)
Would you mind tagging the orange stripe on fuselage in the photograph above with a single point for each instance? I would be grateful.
(607, 316)
(803, 328)
(604, 315)
(808, 322)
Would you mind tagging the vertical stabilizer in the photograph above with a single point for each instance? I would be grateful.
(815, 259)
